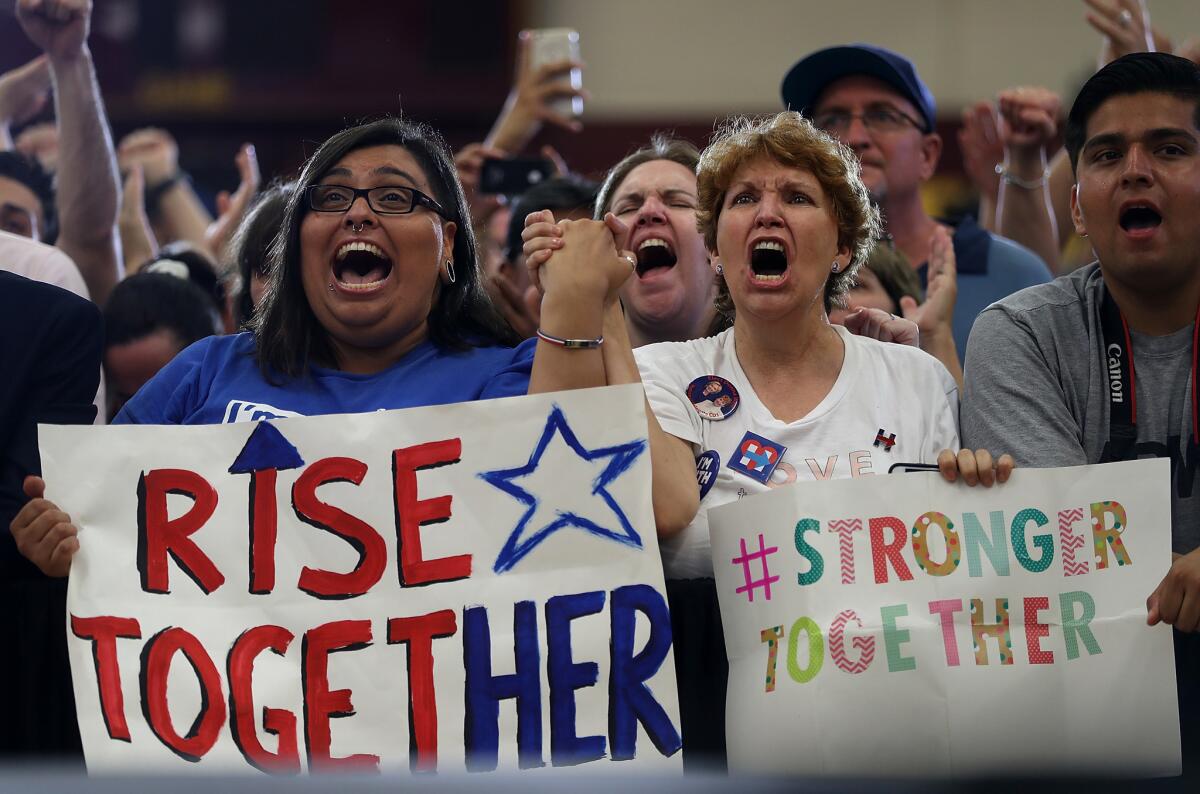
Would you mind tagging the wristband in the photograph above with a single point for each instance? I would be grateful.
(571, 344)
(155, 193)
(1026, 184)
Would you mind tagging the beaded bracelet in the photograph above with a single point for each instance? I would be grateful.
(1027, 184)
(571, 344)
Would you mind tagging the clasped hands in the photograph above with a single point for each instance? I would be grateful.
(580, 257)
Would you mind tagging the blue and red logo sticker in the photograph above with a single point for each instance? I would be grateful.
(756, 457)
(713, 397)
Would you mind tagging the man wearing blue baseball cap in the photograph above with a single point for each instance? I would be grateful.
(873, 100)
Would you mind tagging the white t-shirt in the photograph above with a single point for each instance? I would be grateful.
(40, 262)
(883, 389)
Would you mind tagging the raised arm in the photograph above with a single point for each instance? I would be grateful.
(175, 209)
(1024, 212)
(579, 283)
(137, 238)
(935, 317)
(572, 260)
(979, 141)
(40, 142)
(232, 207)
(1125, 28)
(88, 189)
(23, 93)
(530, 101)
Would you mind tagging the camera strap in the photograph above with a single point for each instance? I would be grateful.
(1122, 380)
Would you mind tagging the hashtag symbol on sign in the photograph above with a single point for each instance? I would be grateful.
(748, 558)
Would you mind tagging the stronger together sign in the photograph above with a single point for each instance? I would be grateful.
(900, 625)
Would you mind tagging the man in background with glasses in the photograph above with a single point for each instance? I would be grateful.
(873, 101)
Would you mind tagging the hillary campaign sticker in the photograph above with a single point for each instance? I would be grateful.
(885, 441)
(756, 457)
(713, 397)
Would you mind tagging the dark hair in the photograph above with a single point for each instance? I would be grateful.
(662, 147)
(287, 333)
(895, 274)
(251, 244)
(149, 302)
(560, 194)
(29, 172)
(201, 270)
(1137, 73)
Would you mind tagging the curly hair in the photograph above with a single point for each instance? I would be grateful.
(790, 140)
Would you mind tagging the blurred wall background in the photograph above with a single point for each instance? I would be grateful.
(284, 74)
(701, 58)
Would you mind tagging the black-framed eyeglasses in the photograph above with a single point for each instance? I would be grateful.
(387, 200)
(878, 119)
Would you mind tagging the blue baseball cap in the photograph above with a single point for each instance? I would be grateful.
(812, 74)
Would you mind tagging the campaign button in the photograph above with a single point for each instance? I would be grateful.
(708, 464)
(756, 457)
(713, 397)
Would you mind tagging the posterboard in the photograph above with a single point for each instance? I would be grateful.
(899, 625)
(457, 588)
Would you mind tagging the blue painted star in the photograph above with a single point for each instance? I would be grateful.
(562, 503)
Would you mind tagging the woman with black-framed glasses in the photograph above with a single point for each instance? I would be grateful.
(374, 301)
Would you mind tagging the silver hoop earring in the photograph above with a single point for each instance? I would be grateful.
(836, 267)
(720, 269)
(450, 270)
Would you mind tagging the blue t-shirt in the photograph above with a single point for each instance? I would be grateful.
(217, 380)
(989, 268)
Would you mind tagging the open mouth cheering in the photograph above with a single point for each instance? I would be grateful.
(768, 260)
(653, 253)
(1140, 217)
(361, 266)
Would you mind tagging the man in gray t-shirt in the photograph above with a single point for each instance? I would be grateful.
(1041, 389)
(1050, 368)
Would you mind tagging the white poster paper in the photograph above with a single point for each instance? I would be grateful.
(904, 626)
(454, 588)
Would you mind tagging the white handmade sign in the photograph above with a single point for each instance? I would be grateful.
(462, 587)
(903, 626)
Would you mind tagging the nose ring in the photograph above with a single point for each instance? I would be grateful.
(356, 227)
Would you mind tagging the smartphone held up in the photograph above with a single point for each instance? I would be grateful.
(551, 45)
(514, 175)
